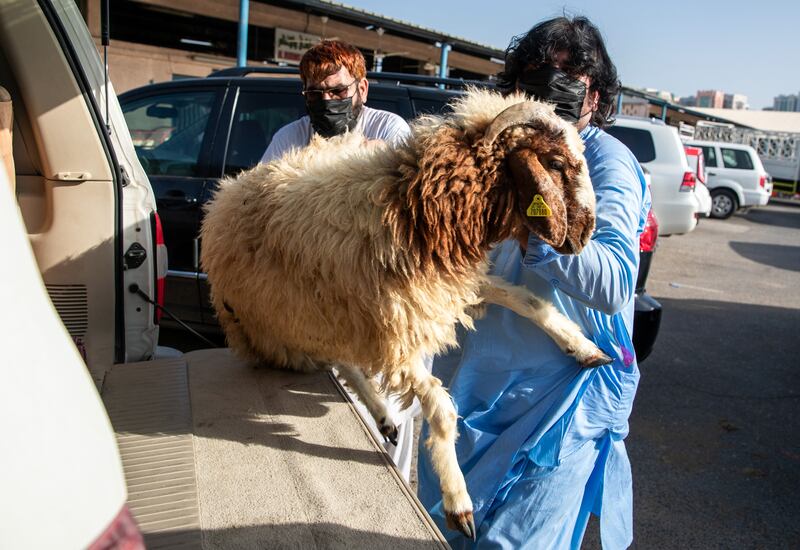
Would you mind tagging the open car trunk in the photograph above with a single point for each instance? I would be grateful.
(218, 454)
(83, 195)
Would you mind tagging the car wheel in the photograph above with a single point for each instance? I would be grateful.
(723, 203)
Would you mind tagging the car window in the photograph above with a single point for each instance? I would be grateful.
(257, 117)
(710, 155)
(736, 158)
(431, 106)
(168, 130)
(639, 141)
(397, 105)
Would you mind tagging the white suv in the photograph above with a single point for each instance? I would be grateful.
(658, 148)
(735, 177)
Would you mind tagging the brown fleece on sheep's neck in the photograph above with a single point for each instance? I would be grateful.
(450, 203)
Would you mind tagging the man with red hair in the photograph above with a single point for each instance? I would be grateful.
(335, 89)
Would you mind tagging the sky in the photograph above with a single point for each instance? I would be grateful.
(680, 46)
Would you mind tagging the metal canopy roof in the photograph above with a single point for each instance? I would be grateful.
(350, 14)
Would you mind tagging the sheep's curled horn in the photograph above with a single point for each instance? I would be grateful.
(519, 114)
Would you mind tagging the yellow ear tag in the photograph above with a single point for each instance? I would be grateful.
(538, 208)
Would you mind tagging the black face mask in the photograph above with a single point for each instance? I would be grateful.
(555, 86)
(332, 117)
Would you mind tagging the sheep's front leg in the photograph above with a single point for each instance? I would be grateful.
(566, 334)
(366, 391)
(438, 409)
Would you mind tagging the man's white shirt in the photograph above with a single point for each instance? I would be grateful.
(373, 123)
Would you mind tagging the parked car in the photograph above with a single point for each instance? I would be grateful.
(189, 133)
(658, 148)
(696, 160)
(736, 177)
(76, 210)
(647, 310)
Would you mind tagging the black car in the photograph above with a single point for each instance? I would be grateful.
(647, 310)
(190, 133)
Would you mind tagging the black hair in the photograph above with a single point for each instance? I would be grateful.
(586, 55)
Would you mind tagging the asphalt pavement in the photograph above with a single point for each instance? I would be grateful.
(715, 431)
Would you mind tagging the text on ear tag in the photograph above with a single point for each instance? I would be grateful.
(538, 208)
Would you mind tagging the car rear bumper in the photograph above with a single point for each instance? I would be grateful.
(676, 217)
(703, 198)
(646, 311)
(758, 197)
(646, 322)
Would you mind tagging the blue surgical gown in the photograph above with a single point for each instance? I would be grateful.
(541, 439)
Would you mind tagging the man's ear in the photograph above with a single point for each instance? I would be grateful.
(595, 100)
(543, 201)
(363, 89)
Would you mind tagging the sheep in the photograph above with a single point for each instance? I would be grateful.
(366, 257)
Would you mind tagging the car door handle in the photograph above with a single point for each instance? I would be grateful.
(176, 198)
(712, 173)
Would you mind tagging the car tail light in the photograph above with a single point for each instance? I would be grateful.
(160, 264)
(121, 534)
(689, 181)
(697, 161)
(762, 181)
(648, 238)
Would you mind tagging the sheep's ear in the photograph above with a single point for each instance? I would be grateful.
(542, 199)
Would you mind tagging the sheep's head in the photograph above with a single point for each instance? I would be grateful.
(544, 163)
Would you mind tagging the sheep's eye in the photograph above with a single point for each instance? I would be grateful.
(556, 164)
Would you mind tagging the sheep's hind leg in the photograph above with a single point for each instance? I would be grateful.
(366, 391)
(437, 406)
(566, 334)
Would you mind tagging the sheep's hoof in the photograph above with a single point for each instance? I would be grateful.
(597, 359)
(463, 522)
(388, 431)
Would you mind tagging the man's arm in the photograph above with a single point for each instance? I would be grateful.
(291, 136)
(603, 276)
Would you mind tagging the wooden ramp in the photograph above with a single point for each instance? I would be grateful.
(281, 460)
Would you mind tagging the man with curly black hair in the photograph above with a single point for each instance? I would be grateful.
(541, 439)
(547, 60)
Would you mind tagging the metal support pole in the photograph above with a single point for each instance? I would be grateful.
(619, 103)
(379, 52)
(664, 112)
(241, 57)
(443, 61)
